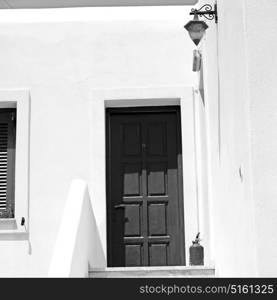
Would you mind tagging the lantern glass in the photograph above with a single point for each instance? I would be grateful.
(196, 29)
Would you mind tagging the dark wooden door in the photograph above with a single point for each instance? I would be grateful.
(144, 187)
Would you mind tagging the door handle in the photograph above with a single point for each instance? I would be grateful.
(119, 206)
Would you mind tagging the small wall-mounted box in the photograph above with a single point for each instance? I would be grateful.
(197, 58)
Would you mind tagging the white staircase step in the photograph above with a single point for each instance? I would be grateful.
(156, 272)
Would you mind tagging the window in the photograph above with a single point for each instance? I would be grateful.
(7, 162)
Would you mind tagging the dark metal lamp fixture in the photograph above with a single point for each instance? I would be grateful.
(197, 28)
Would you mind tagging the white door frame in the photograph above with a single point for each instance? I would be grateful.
(146, 96)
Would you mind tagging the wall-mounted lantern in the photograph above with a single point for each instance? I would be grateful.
(197, 28)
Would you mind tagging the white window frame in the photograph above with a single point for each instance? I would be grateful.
(11, 229)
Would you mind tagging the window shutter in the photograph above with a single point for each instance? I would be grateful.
(7, 162)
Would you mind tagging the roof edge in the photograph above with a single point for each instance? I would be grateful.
(21, 4)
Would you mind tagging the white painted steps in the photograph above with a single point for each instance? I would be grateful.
(156, 272)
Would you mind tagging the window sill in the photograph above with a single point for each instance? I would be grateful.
(10, 231)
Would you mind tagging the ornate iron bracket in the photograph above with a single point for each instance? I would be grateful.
(207, 11)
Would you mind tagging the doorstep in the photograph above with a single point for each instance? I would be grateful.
(156, 272)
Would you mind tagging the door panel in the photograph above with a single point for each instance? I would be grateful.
(144, 199)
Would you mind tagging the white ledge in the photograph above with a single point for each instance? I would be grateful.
(10, 231)
(8, 224)
(13, 235)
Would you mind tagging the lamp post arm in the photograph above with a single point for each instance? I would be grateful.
(206, 11)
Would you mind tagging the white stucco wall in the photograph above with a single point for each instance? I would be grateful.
(59, 58)
(241, 125)
(229, 149)
(61, 55)
(262, 65)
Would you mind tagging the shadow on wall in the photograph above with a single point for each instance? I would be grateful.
(98, 259)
